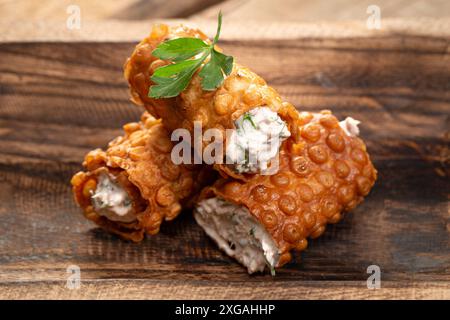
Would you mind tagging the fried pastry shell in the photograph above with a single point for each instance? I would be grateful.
(140, 162)
(321, 175)
(241, 91)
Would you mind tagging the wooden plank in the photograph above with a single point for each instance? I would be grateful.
(325, 10)
(59, 100)
(121, 31)
(149, 289)
(47, 10)
(144, 9)
(237, 10)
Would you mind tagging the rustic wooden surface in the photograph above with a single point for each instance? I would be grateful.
(325, 10)
(262, 10)
(45, 10)
(59, 100)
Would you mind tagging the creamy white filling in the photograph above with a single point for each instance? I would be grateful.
(111, 200)
(238, 233)
(256, 140)
(350, 126)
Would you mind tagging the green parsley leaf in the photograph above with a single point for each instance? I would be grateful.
(171, 85)
(170, 80)
(213, 72)
(171, 70)
(179, 49)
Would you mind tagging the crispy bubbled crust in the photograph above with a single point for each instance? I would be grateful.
(322, 174)
(241, 91)
(140, 162)
(140, 66)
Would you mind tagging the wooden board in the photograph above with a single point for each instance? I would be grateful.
(238, 10)
(59, 100)
(46, 10)
(325, 10)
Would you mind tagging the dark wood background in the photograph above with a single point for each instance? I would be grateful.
(59, 100)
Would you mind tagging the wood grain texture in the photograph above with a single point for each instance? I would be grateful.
(256, 10)
(149, 289)
(325, 10)
(47, 10)
(123, 31)
(144, 9)
(59, 100)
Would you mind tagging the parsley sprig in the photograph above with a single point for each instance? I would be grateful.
(187, 56)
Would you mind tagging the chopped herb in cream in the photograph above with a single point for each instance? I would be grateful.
(111, 200)
(238, 233)
(256, 140)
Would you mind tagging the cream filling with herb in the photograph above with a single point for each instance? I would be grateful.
(256, 140)
(238, 233)
(111, 200)
(350, 126)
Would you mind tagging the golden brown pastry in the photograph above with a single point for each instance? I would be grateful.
(242, 96)
(133, 186)
(323, 172)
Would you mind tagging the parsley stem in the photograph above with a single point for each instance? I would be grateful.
(219, 27)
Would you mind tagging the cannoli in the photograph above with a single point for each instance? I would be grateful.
(258, 119)
(324, 173)
(133, 186)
